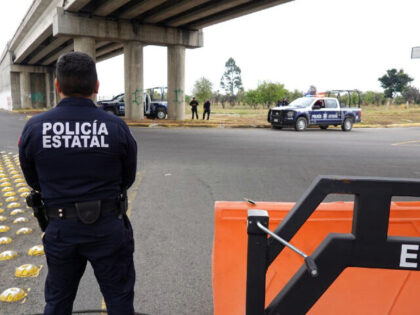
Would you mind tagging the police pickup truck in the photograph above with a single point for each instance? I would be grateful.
(154, 101)
(314, 110)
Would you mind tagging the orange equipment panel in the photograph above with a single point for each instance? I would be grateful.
(356, 290)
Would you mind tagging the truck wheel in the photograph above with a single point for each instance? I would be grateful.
(301, 124)
(110, 111)
(323, 127)
(161, 113)
(347, 124)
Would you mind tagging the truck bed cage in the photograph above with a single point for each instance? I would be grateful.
(349, 96)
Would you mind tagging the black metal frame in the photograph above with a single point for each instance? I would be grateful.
(368, 245)
(349, 92)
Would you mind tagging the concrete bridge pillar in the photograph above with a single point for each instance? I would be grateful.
(176, 82)
(25, 90)
(57, 97)
(49, 89)
(38, 90)
(133, 76)
(85, 45)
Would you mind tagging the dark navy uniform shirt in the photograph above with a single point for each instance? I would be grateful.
(77, 152)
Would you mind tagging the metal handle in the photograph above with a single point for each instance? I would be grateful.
(309, 262)
(311, 266)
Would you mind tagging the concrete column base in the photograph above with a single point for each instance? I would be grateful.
(133, 76)
(176, 82)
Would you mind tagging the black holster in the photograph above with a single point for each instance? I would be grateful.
(88, 211)
(34, 201)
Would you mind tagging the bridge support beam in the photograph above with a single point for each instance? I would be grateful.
(133, 76)
(176, 82)
(72, 25)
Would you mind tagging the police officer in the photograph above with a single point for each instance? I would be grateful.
(194, 106)
(206, 107)
(82, 159)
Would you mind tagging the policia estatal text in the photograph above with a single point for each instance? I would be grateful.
(82, 160)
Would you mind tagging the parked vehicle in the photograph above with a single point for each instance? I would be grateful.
(154, 101)
(316, 110)
(113, 106)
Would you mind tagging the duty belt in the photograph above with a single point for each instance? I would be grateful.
(69, 211)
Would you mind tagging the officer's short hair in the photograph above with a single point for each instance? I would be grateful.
(76, 74)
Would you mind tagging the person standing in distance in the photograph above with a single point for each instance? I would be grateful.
(206, 107)
(194, 105)
(82, 160)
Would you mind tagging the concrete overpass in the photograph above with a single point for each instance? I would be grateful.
(104, 29)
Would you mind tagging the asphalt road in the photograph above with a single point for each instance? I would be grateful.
(182, 172)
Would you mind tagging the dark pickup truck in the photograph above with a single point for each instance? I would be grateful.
(155, 105)
(313, 110)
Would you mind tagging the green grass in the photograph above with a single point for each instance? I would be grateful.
(394, 114)
(371, 115)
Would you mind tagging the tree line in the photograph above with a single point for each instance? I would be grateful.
(395, 84)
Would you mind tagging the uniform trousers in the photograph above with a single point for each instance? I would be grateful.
(206, 111)
(194, 110)
(107, 244)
